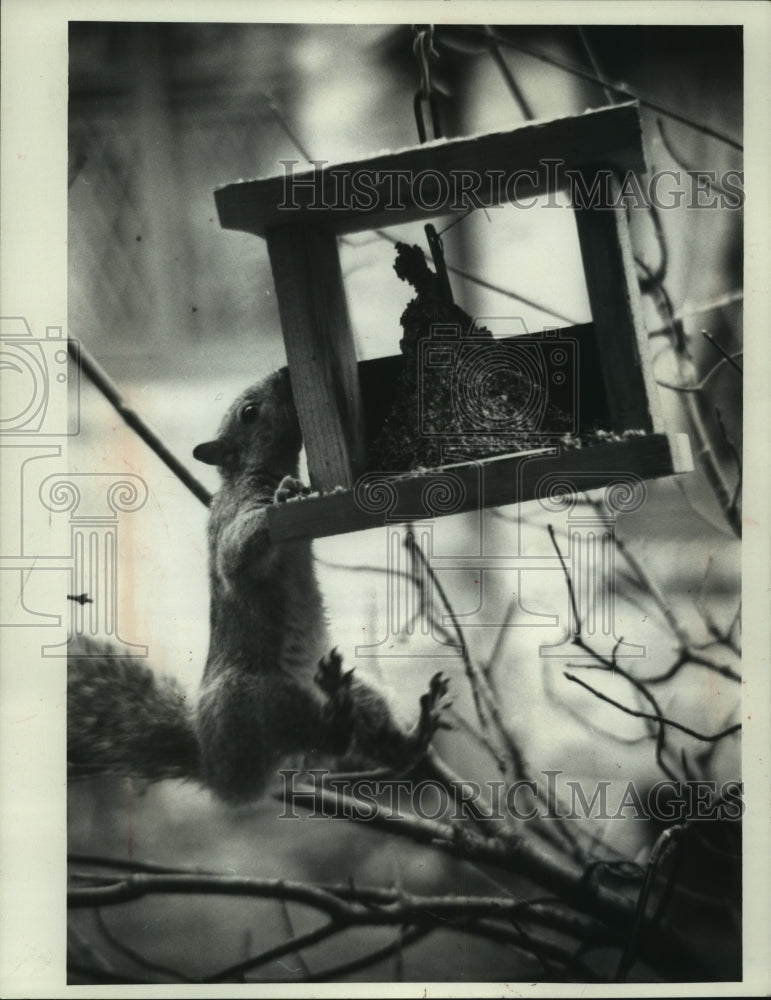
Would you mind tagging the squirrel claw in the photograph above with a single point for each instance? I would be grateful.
(339, 710)
(330, 676)
(290, 487)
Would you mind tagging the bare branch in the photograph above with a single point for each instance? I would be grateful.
(712, 185)
(404, 939)
(617, 88)
(568, 581)
(478, 684)
(101, 380)
(236, 972)
(721, 350)
(698, 386)
(646, 581)
(130, 887)
(135, 956)
(609, 96)
(662, 720)
(511, 83)
(292, 933)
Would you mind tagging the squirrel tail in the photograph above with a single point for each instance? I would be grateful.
(125, 719)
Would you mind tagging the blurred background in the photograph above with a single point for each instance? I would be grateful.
(182, 315)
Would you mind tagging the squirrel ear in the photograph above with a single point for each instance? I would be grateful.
(210, 452)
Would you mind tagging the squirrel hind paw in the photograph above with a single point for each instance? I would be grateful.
(433, 704)
(340, 711)
(330, 676)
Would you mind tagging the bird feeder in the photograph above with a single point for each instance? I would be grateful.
(341, 401)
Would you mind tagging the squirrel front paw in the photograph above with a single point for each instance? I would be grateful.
(288, 488)
(339, 712)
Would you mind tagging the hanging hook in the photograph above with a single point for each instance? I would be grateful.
(423, 47)
(436, 127)
(424, 50)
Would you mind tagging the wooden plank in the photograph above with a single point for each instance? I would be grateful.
(493, 482)
(614, 297)
(320, 351)
(394, 187)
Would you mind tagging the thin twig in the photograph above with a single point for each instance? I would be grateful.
(292, 933)
(472, 278)
(568, 581)
(713, 185)
(612, 665)
(617, 88)
(77, 942)
(721, 302)
(404, 939)
(101, 380)
(236, 972)
(126, 864)
(580, 717)
(490, 286)
(661, 719)
(656, 277)
(488, 668)
(460, 722)
(695, 406)
(135, 956)
(733, 506)
(100, 977)
(609, 97)
(645, 580)
(477, 682)
(721, 350)
(474, 679)
(508, 76)
(688, 655)
(698, 386)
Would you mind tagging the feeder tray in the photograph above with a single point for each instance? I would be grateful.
(342, 403)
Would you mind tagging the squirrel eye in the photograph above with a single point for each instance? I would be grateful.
(250, 413)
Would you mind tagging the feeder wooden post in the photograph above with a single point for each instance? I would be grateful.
(614, 297)
(320, 351)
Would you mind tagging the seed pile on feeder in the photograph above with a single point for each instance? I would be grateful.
(473, 405)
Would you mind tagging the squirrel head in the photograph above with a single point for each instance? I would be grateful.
(260, 432)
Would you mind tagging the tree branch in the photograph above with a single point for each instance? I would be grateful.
(661, 719)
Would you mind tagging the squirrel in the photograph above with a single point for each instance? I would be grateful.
(270, 686)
